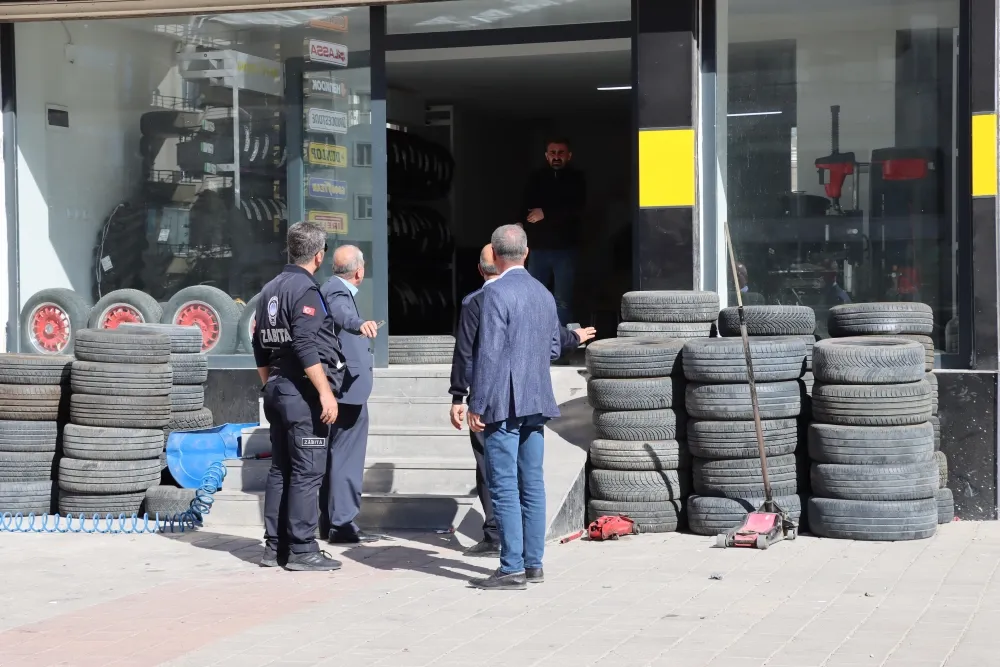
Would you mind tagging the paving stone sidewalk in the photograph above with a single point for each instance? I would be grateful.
(660, 600)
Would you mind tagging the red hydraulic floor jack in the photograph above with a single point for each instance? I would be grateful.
(769, 523)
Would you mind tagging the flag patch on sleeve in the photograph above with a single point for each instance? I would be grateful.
(308, 310)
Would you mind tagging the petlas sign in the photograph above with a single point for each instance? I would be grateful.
(327, 52)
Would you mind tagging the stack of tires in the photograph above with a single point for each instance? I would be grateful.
(33, 395)
(112, 449)
(421, 349)
(911, 321)
(726, 467)
(874, 473)
(190, 372)
(639, 464)
(669, 314)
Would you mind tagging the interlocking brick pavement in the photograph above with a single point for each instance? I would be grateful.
(200, 600)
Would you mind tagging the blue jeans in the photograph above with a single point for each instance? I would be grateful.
(514, 452)
(560, 265)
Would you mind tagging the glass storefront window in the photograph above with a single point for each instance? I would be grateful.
(160, 161)
(835, 146)
(493, 14)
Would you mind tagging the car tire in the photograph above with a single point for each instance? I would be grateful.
(123, 306)
(183, 340)
(631, 358)
(932, 380)
(721, 360)
(190, 421)
(51, 319)
(639, 424)
(872, 405)
(108, 477)
(26, 466)
(670, 306)
(90, 443)
(87, 505)
(741, 478)
(709, 515)
(681, 330)
(638, 486)
(26, 402)
(738, 439)
(28, 436)
(936, 424)
(769, 321)
(878, 319)
(639, 455)
(901, 481)
(211, 310)
(422, 350)
(665, 516)
(144, 412)
(942, 463)
(102, 379)
(731, 402)
(189, 369)
(35, 369)
(871, 445)
(886, 521)
(945, 504)
(109, 346)
(26, 497)
(187, 398)
(635, 394)
(168, 502)
(868, 360)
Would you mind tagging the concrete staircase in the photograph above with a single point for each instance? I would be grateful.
(420, 473)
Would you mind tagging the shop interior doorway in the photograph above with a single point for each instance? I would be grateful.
(481, 117)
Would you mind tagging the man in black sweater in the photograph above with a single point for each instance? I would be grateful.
(466, 343)
(552, 209)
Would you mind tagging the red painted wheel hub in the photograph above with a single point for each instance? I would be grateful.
(50, 328)
(202, 315)
(118, 314)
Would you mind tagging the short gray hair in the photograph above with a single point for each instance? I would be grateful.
(305, 240)
(355, 262)
(510, 243)
(487, 268)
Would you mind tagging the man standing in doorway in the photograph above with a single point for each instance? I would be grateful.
(341, 491)
(552, 207)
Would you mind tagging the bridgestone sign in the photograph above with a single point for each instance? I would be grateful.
(326, 122)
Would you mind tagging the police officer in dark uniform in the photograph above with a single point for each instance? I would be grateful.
(302, 367)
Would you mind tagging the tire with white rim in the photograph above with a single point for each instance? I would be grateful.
(124, 306)
(211, 310)
(51, 319)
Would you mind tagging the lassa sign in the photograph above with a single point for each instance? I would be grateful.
(326, 52)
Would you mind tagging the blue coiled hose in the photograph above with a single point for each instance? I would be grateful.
(123, 525)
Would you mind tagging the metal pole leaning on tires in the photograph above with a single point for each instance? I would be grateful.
(768, 500)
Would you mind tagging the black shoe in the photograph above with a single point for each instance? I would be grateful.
(269, 558)
(485, 549)
(534, 575)
(315, 561)
(348, 536)
(498, 581)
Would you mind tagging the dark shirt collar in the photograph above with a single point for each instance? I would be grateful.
(294, 268)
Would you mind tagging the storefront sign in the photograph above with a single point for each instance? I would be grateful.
(326, 155)
(326, 121)
(327, 52)
(324, 88)
(332, 223)
(326, 188)
(334, 23)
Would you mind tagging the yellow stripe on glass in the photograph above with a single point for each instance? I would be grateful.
(984, 155)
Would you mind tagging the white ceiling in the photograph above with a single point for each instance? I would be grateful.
(528, 80)
(487, 14)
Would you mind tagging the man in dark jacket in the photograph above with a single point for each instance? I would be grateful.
(341, 492)
(552, 209)
(462, 369)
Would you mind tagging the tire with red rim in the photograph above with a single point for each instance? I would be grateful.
(51, 319)
(124, 306)
(248, 324)
(212, 310)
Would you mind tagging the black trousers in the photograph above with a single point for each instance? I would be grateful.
(490, 532)
(340, 496)
(298, 458)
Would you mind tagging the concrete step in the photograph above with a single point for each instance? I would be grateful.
(409, 411)
(379, 511)
(417, 475)
(429, 380)
(386, 441)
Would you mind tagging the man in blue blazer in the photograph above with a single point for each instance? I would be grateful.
(340, 497)
(511, 401)
(466, 344)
